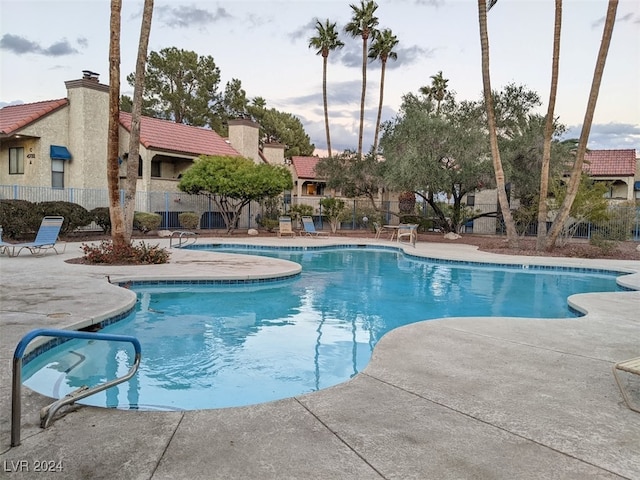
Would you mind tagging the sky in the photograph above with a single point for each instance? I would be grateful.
(265, 44)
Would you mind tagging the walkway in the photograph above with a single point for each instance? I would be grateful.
(459, 398)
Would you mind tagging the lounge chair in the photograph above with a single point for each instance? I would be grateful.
(285, 227)
(46, 239)
(629, 366)
(310, 228)
(408, 230)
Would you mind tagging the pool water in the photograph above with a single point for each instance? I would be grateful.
(214, 346)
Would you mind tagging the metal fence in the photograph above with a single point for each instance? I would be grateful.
(360, 213)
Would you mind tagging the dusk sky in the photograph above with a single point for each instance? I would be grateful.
(264, 44)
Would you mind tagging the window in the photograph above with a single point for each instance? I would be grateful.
(471, 200)
(57, 173)
(16, 161)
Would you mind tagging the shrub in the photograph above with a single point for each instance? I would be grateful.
(74, 215)
(606, 245)
(140, 254)
(189, 220)
(17, 218)
(146, 222)
(269, 224)
(102, 218)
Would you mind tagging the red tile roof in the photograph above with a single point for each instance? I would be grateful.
(610, 163)
(14, 117)
(305, 166)
(175, 137)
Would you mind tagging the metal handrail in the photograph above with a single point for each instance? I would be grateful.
(47, 413)
(182, 233)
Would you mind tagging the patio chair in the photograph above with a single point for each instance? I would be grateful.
(629, 366)
(379, 229)
(285, 227)
(409, 230)
(46, 239)
(310, 228)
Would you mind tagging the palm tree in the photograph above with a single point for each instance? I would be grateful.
(258, 102)
(576, 171)
(362, 24)
(437, 91)
(325, 41)
(512, 234)
(548, 131)
(115, 210)
(136, 113)
(382, 48)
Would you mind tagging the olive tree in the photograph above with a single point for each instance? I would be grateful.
(233, 182)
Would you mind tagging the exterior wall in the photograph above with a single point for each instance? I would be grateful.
(243, 135)
(36, 140)
(88, 126)
(485, 201)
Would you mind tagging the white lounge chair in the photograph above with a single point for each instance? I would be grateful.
(285, 227)
(629, 366)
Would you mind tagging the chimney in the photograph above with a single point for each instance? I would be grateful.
(89, 75)
(243, 135)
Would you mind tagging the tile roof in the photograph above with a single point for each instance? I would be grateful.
(305, 166)
(14, 117)
(175, 137)
(610, 163)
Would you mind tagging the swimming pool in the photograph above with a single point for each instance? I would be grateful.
(211, 345)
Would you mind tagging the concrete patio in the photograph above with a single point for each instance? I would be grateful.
(457, 398)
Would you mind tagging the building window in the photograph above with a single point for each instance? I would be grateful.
(16, 161)
(311, 189)
(57, 173)
(471, 200)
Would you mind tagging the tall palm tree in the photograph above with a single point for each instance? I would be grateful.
(548, 131)
(325, 41)
(437, 90)
(115, 210)
(576, 171)
(381, 48)
(136, 113)
(512, 234)
(363, 24)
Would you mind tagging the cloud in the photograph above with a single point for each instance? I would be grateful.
(305, 31)
(189, 16)
(21, 46)
(609, 136)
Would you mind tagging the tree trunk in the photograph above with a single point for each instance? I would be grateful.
(548, 132)
(576, 172)
(136, 113)
(375, 137)
(512, 234)
(115, 209)
(324, 99)
(364, 91)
